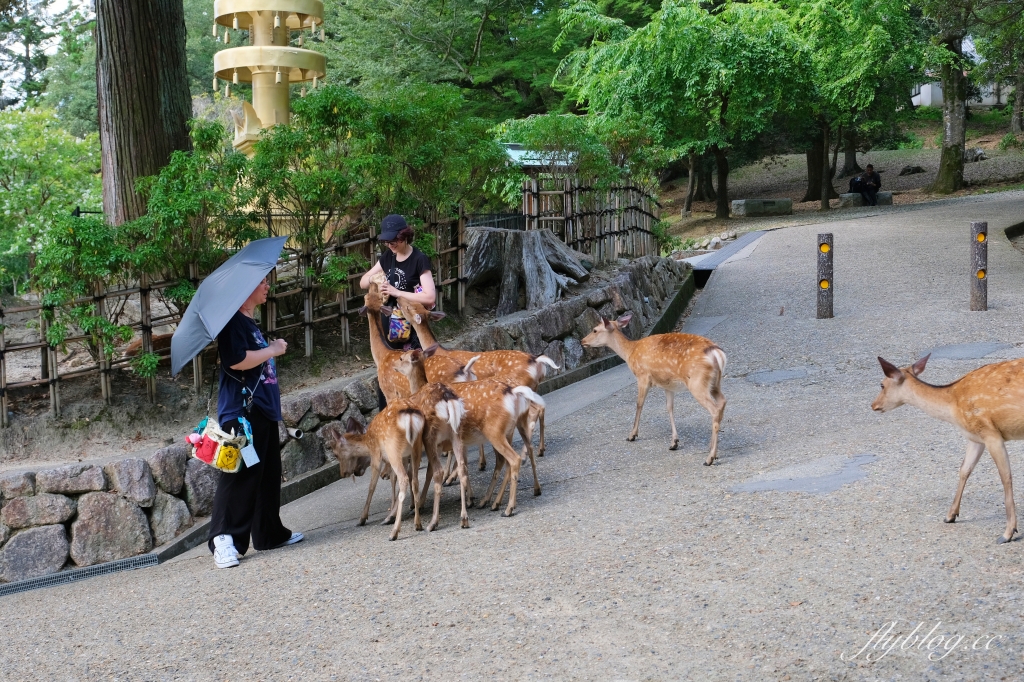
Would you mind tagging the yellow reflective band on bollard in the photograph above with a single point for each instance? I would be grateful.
(824, 284)
(824, 248)
(981, 274)
(981, 236)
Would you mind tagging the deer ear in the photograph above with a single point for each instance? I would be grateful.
(362, 311)
(387, 310)
(429, 352)
(918, 366)
(437, 315)
(624, 319)
(890, 370)
(354, 426)
(417, 318)
(605, 323)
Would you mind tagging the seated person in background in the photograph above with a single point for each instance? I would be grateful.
(870, 183)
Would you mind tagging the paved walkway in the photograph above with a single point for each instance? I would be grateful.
(821, 523)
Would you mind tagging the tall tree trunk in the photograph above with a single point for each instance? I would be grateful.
(691, 184)
(722, 163)
(816, 160)
(835, 154)
(1017, 118)
(850, 165)
(705, 187)
(954, 123)
(826, 177)
(143, 97)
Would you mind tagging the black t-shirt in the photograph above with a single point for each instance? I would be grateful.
(240, 335)
(404, 275)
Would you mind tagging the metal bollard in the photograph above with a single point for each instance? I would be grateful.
(825, 283)
(979, 266)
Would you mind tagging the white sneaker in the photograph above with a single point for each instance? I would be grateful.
(296, 537)
(224, 553)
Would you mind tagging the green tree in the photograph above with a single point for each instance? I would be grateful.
(71, 72)
(44, 173)
(25, 34)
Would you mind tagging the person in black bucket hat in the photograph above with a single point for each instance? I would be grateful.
(407, 273)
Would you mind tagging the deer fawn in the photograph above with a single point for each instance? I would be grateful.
(510, 366)
(393, 435)
(492, 410)
(671, 362)
(987, 405)
(392, 384)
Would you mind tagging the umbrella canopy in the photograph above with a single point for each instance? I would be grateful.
(220, 296)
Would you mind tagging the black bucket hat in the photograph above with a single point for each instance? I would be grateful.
(390, 227)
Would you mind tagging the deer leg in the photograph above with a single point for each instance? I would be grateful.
(714, 402)
(669, 403)
(642, 386)
(403, 490)
(374, 475)
(449, 474)
(499, 462)
(525, 427)
(974, 452)
(540, 448)
(394, 508)
(459, 451)
(414, 467)
(434, 474)
(501, 445)
(483, 459)
(997, 449)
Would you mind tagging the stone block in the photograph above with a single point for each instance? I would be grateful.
(353, 412)
(309, 422)
(168, 518)
(17, 485)
(597, 297)
(71, 479)
(34, 552)
(282, 433)
(131, 478)
(363, 392)
(108, 528)
(586, 322)
(300, 456)
(38, 510)
(554, 350)
(854, 200)
(329, 403)
(294, 408)
(753, 208)
(554, 322)
(200, 486)
(168, 468)
(5, 534)
(533, 341)
(572, 353)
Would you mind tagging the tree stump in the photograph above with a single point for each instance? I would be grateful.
(534, 259)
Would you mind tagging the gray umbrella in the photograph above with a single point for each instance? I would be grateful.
(220, 296)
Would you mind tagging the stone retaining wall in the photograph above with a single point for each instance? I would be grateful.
(84, 514)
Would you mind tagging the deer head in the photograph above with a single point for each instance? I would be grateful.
(895, 388)
(605, 331)
(348, 447)
(417, 312)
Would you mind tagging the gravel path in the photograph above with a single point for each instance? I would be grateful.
(637, 562)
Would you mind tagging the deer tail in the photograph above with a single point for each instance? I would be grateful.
(411, 421)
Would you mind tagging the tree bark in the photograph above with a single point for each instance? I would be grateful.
(722, 163)
(691, 184)
(143, 97)
(826, 176)
(954, 123)
(835, 154)
(1017, 117)
(850, 165)
(815, 162)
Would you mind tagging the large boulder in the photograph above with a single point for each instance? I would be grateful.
(108, 528)
(554, 351)
(39, 510)
(133, 480)
(33, 553)
(309, 423)
(200, 486)
(572, 353)
(5, 534)
(586, 322)
(168, 468)
(555, 321)
(17, 485)
(168, 518)
(300, 456)
(294, 407)
(71, 479)
(329, 403)
(363, 392)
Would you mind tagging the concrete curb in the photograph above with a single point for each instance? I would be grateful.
(1014, 231)
(329, 473)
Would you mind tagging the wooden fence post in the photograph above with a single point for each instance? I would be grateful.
(460, 274)
(825, 283)
(979, 266)
(306, 263)
(147, 331)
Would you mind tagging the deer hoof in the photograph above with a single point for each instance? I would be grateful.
(431, 528)
(707, 464)
(951, 519)
(630, 438)
(536, 492)
(509, 512)
(674, 446)
(540, 453)
(465, 523)
(394, 536)
(362, 522)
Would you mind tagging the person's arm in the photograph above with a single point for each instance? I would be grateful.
(427, 297)
(364, 281)
(255, 358)
(878, 181)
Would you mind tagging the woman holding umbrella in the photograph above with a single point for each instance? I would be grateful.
(249, 502)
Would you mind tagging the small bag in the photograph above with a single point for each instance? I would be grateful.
(212, 446)
(399, 329)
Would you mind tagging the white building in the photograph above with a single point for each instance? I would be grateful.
(930, 95)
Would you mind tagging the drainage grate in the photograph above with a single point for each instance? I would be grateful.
(130, 564)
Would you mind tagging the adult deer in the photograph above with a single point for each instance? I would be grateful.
(392, 384)
(987, 405)
(671, 362)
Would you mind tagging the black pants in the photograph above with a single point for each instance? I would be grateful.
(414, 342)
(869, 194)
(249, 502)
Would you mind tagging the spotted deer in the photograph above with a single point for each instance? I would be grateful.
(392, 384)
(393, 436)
(492, 410)
(671, 362)
(986, 405)
(511, 366)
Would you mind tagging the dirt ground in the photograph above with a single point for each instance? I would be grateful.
(786, 177)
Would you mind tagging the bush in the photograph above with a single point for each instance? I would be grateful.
(910, 141)
(1011, 141)
(667, 243)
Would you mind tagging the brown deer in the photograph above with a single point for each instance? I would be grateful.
(986, 405)
(393, 436)
(392, 384)
(511, 366)
(492, 410)
(671, 362)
